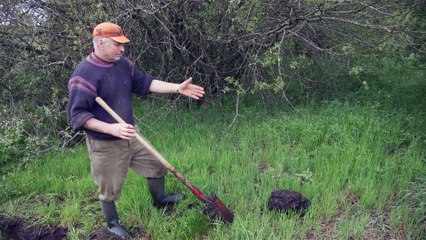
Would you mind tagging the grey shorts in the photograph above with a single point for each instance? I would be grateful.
(110, 161)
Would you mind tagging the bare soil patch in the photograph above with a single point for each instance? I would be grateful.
(17, 228)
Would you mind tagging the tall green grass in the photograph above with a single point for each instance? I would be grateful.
(362, 167)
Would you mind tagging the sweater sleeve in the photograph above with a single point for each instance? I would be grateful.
(81, 101)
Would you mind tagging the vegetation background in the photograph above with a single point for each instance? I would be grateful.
(322, 97)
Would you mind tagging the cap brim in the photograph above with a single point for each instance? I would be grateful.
(121, 39)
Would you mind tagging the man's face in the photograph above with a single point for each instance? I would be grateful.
(111, 51)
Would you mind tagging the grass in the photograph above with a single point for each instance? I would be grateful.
(362, 167)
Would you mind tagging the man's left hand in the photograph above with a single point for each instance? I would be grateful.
(191, 90)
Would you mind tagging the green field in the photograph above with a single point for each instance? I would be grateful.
(361, 166)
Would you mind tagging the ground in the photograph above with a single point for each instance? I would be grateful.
(16, 229)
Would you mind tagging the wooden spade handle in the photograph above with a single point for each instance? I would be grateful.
(152, 150)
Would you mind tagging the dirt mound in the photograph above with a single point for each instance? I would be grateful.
(17, 229)
(288, 201)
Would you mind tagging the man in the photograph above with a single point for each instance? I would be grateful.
(112, 146)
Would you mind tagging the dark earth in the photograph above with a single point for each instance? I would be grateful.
(17, 229)
(216, 210)
(210, 207)
(288, 201)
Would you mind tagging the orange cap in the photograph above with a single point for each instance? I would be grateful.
(110, 30)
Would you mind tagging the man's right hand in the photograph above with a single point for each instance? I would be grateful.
(120, 130)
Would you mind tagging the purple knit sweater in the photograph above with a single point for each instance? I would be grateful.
(113, 82)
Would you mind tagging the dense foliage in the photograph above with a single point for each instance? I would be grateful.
(279, 51)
